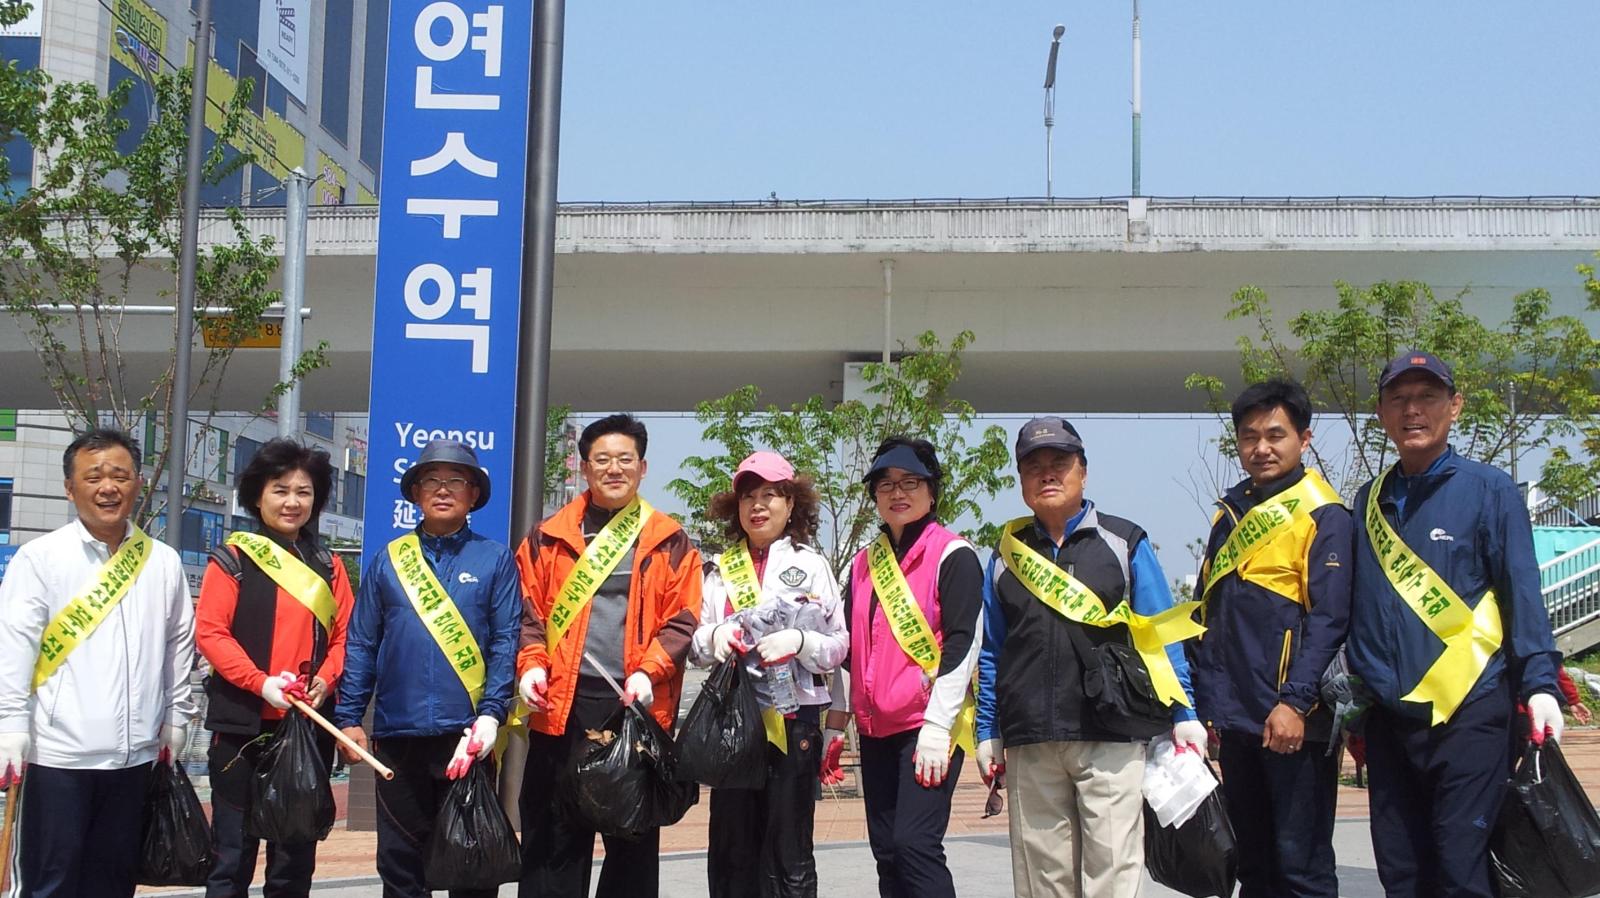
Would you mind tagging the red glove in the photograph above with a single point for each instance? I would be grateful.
(832, 772)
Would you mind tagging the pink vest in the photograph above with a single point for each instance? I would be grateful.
(888, 691)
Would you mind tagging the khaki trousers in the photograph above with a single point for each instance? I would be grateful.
(1077, 819)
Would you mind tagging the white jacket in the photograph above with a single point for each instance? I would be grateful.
(794, 573)
(104, 707)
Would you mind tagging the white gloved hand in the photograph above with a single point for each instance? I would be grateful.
(484, 732)
(638, 689)
(272, 690)
(13, 757)
(173, 740)
(931, 762)
(1191, 733)
(991, 761)
(778, 647)
(535, 683)
(1546, 714)
(727, 637)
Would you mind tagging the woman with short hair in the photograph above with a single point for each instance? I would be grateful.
(271, 634)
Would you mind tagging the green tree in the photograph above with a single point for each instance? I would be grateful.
(832, 442)
(93, 218)
(1528, 380)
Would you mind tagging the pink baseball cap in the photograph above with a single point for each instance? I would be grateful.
(769, 466)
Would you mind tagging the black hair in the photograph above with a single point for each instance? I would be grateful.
(1270, 394)
(925, 453)
(622, 423)
(95, 440)
(278, 457)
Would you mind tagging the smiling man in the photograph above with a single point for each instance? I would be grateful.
(611, 589)
(96, 645)
(1447, 648)
(1275, 585)
(434, 640)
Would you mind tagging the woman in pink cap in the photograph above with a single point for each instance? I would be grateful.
(772, 597)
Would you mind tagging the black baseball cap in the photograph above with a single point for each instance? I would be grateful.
(1417, 360)
(1048, 432)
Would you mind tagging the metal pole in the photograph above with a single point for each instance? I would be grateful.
(533, 337)
(1050, 110)
(294, 293)
(888, 308)
(1513, 399)
(178, 421)
(1138, 92)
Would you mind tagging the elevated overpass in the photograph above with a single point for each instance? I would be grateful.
(1099, 305)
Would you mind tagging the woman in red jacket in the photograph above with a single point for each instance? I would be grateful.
(271, 620)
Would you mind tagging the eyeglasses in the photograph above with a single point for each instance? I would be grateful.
(624, 462)
(910, 486)
(453, 484)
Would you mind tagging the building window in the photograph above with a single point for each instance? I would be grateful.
(338, 25)
(320, 424)
(355, 493)
(8, 425)
(202, 532)
(5, 510)
(372, 73)
(244, 449)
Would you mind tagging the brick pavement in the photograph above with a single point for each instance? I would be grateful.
(840, 816)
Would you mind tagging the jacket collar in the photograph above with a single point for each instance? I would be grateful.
(449, 543)
(1245, 494)
(90, 538)
(1086, 519)
(909, 537)
(566, 525)
(1419, 486)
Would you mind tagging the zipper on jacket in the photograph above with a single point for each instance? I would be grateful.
(1283, 659)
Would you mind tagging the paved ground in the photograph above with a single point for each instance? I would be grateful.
(978, 849)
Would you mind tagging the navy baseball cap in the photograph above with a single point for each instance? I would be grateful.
(902, 457)
(1417, 360)
(1048, 432)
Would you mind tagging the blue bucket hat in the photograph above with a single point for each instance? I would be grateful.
(447, 452)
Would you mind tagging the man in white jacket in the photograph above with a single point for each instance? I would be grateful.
(96, 645)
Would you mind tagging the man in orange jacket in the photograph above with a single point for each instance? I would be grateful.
(611, 588)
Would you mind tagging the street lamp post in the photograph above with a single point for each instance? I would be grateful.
(1050, 110)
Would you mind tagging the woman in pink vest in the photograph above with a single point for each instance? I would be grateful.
(904, 706)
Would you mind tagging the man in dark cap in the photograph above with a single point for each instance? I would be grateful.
(1065, 582)
(1448, 631)
(434, 639)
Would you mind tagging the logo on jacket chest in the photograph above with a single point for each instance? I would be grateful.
(792, 577)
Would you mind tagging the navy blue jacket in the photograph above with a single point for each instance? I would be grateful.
(1467, 521)
(390, 654)
(1274, 624)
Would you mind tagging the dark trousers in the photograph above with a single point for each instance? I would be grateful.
(905, 822)
(231, 760)
(761, 838)
(557, 854)
(407, 807)
(1281, 807)
(80, 831)
(1435, 794)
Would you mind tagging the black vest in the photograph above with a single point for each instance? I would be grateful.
(1039, 679)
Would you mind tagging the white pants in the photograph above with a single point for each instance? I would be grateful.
(1077, 819)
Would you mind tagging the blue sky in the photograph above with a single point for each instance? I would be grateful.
(875, 99)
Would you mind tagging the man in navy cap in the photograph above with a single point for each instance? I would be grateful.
(1449, 632)
(1062, 585)
(433, 640)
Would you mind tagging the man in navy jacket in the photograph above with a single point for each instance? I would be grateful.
(1448, 631)
(427, 726)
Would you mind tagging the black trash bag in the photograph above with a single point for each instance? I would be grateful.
(1546, 842)
(627, 784)
(291, 801)
(473, 845)
(1200, 858)
(175, 846)
(722, 742)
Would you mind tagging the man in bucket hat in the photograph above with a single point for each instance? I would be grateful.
(434, 640)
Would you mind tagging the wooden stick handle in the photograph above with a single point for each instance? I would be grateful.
(342, 739)
(5, 837)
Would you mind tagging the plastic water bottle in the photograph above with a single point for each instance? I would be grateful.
(781, 679)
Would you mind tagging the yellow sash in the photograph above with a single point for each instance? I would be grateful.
(291, 574)
(1471, 636)
(739, 573)
(1268, 521)
(744, 593)
(1069, 597)
(598, 560)
(89, 608)
(911, 631)
(439, 614)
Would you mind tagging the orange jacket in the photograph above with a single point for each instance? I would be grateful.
(663, 609)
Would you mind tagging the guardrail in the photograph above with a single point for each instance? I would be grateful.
(1570, 584)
